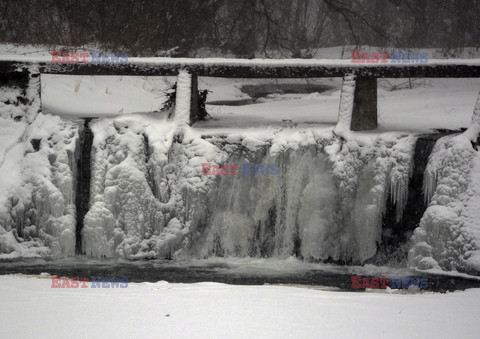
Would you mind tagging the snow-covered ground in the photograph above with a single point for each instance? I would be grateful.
(101, 96)
(32, 309)
(431, 103)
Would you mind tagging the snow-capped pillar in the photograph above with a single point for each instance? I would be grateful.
(186, 104)
(182, 100)
(33, 93)
(346, 105)
(194, 110)
(364, 114)
(358, 105)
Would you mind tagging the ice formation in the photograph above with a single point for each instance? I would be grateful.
(37, 173)
(144, 189)
(448, 237)
(149, 199)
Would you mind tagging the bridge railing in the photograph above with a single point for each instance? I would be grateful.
(358, 104)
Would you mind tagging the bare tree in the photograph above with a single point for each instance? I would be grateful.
(242, 27)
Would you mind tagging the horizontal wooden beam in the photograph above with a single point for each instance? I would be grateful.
(239, 68)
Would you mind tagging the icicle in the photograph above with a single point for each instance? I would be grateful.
(429, 182)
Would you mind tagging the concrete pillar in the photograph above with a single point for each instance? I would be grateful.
(194, 111)
(364, 115)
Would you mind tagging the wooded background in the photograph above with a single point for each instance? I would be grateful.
(242, 28)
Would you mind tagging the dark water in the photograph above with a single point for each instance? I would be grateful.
(262, 90)
(395, 233)
(258, 91)
(83, 176)
(153, 271)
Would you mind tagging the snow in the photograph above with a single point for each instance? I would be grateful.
(32, 309)
(91, 96)
(432, 103)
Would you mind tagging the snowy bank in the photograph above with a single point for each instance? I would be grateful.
(32, 309)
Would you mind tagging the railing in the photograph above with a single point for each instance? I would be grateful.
(357, 111)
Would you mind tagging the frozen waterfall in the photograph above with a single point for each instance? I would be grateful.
(329, 199)
(149, 199)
